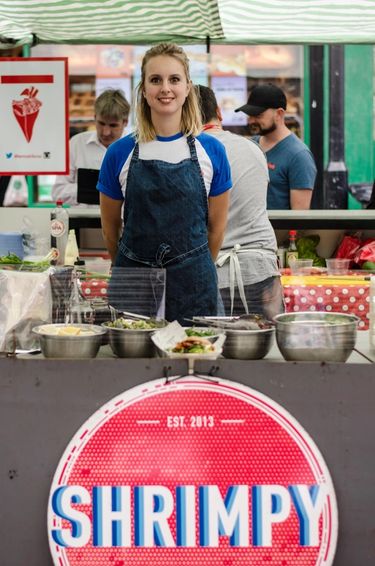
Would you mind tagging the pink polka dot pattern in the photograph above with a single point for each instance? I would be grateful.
(250, 440)
(350, 299)
(94, 288)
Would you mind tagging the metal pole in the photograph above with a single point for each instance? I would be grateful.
(335, 185)
(316, 102)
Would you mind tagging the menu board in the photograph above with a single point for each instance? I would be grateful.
(34, 115)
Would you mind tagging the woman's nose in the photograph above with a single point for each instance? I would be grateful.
(165, 86)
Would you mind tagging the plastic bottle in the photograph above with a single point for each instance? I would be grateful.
(372, 315)
(291, 252)
(281, 251)
(71, 250)
(59, 232)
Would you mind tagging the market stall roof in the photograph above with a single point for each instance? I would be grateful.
(186, 21)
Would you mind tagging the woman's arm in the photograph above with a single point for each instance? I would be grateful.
(110, 212)
(217, 221)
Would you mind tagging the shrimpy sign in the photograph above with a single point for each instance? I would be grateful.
(192, 472)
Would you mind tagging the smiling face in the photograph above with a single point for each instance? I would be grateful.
(264, 123)
(165, 87)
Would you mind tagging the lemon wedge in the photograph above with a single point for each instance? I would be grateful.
(69, 331)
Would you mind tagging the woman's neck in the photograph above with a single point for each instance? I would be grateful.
(166, 126)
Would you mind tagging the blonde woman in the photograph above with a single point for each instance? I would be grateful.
(174, 183)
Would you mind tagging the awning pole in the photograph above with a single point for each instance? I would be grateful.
(335, 185)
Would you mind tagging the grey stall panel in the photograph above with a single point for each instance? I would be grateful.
(44, 402)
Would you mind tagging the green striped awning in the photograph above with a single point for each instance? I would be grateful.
(186, 21)
(298, 21)
(109, 21)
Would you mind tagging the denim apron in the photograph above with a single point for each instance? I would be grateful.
(165, 225)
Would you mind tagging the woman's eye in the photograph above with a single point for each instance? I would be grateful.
(154, 80)
(175, 79)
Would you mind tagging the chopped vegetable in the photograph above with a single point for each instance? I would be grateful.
(199, 332)
(127, 324)
(13, 259)
(193, 345)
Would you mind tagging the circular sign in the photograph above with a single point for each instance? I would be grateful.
(193, 471)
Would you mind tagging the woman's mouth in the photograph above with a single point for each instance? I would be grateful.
(165, 99)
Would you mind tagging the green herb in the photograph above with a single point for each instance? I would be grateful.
(197, 332)
(126, 324)
(13, 259)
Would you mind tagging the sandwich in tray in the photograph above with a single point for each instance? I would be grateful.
(173, 342)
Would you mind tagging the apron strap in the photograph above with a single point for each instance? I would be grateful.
(136, 152)
(235, 275)
(193, 151)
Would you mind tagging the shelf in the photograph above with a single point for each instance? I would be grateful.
(323, 219)
(280, 219)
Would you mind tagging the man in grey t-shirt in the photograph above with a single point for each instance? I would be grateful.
(249, 278)
(291, 164)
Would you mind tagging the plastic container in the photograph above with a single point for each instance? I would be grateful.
(59, 229)
(337, 266)
(300, 266)
(11, 243)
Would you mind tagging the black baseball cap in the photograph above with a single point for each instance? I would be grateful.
(261, 98)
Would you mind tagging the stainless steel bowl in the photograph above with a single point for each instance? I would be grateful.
(316, 336)
(128, 343)
(80, 346)
(248, 344)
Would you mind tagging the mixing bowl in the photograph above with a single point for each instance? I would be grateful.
(127, 343)
(316, 336)
(70, 345)
(248, 344)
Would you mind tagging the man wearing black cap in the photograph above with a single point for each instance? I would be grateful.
(291, 164)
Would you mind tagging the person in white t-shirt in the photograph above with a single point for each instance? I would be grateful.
(249, 279)
(88, 148)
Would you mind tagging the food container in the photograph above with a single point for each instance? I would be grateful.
(300, 266)
(248, 344)
(131, 342)
(209, 332)
(166, 339)
(248, 337)
(316, 336)
(86, 344)
(337, 266)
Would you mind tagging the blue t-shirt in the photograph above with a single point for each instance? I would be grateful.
(291, 166)
(210, 152)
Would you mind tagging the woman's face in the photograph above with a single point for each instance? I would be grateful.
(165, 86)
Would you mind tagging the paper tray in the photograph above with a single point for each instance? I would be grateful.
(166, 338)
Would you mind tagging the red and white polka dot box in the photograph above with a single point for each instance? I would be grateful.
(349, 299)
(94, 288)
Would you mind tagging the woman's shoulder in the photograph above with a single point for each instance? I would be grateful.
(122, 147)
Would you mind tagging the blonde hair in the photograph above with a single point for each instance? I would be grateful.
(190, 118)
(112, 104)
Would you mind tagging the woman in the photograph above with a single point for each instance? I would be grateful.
(174, 184)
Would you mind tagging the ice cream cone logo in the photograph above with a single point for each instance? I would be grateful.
(26, 111)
